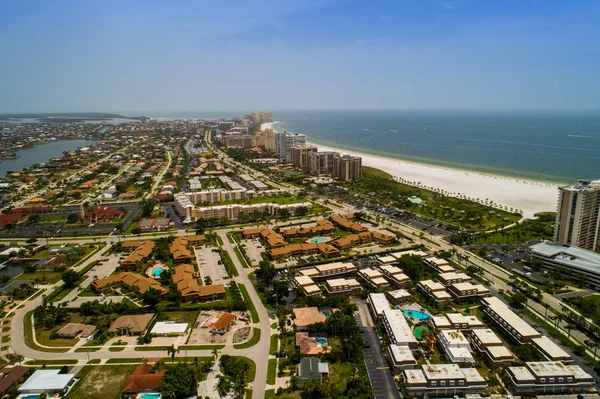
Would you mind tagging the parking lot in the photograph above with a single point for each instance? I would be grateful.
(377, 365)
(209, 263)
(254, 249)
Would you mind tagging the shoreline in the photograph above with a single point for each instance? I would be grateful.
(528, 195)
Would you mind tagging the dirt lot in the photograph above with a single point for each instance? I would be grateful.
(100, 382)
(202, 335)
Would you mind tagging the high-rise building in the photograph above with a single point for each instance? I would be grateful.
(320, 163)
(300, 155)
(266, 139)
(347, 167)
(262, 117)
(225, 125)
(577, 218)
(284, 143)
(239, 141)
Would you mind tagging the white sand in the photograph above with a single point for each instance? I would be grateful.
(526, 195)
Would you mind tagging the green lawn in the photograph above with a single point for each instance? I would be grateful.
(251, 342)
(100, 382)
(228, 263)
(251, 307)
(271, 394)
(541, 228)
(181, 316)
(130, 360)
(274, 344)
(472, 215)
(241, 258)
(251, 370)
(50, 362)
(51, 277)
(200, 347)
(272, 371)
(43, 337)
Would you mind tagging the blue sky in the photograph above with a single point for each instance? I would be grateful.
(129, 56)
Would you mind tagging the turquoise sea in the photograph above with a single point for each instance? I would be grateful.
(556, 146)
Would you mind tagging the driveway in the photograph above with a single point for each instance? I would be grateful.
(378, 369)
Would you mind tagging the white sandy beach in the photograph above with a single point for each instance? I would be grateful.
(526, 195)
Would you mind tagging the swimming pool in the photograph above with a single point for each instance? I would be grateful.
(415, 314)
(321, 341)
(319, 239)
(326, 313)
(156, 272)
(30, 397)
(151, 396)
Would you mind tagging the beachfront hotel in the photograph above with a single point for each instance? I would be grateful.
(577, 216)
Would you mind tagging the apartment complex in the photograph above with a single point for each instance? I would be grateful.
(239, 141)
(436, 291)
(505, 319)
(443, 380)
(377, 304)
(395, 275)
(455, 346)
(284, 143)
(374, 278)
(462, 292)
(347, 167)
(548, 378)
(456, 321)
(342, 286)
(328, 270)
(577, 219)
(398, 329)
(491, 347)
(262, 117)
(320, 163)
(300, 155)
(307, 285)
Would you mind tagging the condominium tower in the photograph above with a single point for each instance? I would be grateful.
(347, 167)
(577, 218)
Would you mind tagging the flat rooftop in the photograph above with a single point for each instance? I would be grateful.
(486, 336)
(567, 255)
(511, 319)
(551, 349)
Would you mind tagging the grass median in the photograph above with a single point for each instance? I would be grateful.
(249, 303)
(251, 342)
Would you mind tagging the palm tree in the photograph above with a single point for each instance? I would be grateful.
(215, 353)
(172, 351)
(223, 386)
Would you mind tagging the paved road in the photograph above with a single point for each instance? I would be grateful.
(377, 365)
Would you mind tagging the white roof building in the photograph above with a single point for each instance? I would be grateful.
(398, 329)
(46, 380)
(456, 346)
(378, 304)
(169, 328)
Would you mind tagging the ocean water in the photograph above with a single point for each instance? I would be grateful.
(552, 146)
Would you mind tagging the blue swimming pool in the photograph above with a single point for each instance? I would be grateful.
(321, 341)
(318, 239)
(151, 396)
(157, 271)
(415, 314)
(31, 397)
